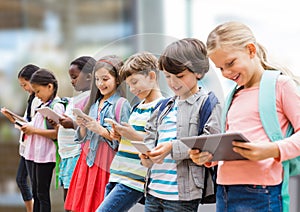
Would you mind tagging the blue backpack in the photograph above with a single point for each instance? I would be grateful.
(270, 122)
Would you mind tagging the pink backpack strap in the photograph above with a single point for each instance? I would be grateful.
(118, 108)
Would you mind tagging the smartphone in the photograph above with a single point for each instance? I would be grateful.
(18, 124)
(141, 146)
(79, 113)
(111, 121)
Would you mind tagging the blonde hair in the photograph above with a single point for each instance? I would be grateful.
(236, 35)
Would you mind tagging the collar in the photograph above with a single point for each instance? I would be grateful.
(194, 98)
(112, 99)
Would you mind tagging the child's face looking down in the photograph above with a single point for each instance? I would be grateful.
(43, 92)
(237, 65)
(105, 82)
(183, 84)
(25, 85)
(141, 85)
(79, 80)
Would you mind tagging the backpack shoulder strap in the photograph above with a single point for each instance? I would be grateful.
(118, 108)
(133, 107)
(161, 105)
(267, 105)
(270, 122)
(206, 110)
(226, 107)
(64, 101)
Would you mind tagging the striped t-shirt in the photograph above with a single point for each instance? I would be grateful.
(163, 178)
(126, 168)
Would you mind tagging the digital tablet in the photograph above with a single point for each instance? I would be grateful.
(141, 146)
(15, 116)
(219, 145)
(50, 114)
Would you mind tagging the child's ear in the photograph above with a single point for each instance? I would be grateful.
(89, 77)
(50, 86)
(251, 49)
(152, 75)
(198, 76)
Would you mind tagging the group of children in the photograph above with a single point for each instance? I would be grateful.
(100, 169)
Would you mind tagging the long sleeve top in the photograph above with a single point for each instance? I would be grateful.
(243, 116)
(108, 111)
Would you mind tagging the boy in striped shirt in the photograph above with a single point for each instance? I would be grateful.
(126, 183)
(175, 182)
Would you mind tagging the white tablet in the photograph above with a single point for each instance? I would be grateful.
(219, 145)
(15, 116)
(50, 114)
(141, 146)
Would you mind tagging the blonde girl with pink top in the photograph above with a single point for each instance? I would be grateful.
(40, 151)
(254, 184)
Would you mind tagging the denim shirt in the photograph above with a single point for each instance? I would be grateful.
(108, 111)
(190, 176)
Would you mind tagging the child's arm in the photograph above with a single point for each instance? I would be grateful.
(29, 130)
(127, 131)
(151, 130)
(94, 126)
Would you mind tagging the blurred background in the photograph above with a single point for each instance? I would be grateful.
(51, 33)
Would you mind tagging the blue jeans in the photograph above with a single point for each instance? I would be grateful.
(119, 197)
(250, 198)
(154, 204)
(21, 179)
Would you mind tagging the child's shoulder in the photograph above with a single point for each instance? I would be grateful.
(283, 79)
(59, 104)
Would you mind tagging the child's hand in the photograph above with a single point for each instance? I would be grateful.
(114, 133)
(53, 123)
(200, 157)
(127, 131)
(158, 154)
(28, 129)
(145, 160)
(81, 122)
(94, 126)
(66, 122)
(257, 151)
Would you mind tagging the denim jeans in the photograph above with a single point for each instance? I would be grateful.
(119, 198)
(249, 198)
(21, 179)
(154, 204)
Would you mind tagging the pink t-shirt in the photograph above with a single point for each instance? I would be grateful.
(39, 148)
(243, 116)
